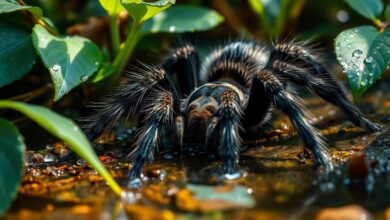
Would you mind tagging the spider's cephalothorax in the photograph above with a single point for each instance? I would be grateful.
(231, 92)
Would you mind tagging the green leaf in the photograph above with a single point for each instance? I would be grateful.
(387, 12)
(364, 54)
(17, 54)
(11, 163)
(270, 8)
(70, 60)
(104, 71)
(141, 11)
(112, 6)
(7, 6)
(66, 130)
(183, 18)
(238, 195)
(367, 8)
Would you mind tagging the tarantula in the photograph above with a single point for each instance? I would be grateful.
(232, 91)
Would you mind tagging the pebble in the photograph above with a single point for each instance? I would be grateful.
(349, 212)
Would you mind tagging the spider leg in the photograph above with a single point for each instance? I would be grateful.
(184, 61)
(290, 105)
(126, 99)
(159, 111)
(296, 63)
(228, 126)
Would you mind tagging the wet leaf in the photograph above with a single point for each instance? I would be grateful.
(367, 8)
(12, 150)
(364, 54)
(70, 60)
(387, 12)
(66, 130)
(183, 18)
(7, 6)
(17, 54)
(143, 10)
(112, 6)
(228, 196)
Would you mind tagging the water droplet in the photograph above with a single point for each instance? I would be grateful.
(49, 158)
(49, 148)
(368, 59)
(56, 67)
(357, 53)
(80, 162)
(363, 82)
(349, 46)
(172, 28)
(97, 63)
(75, 128)
(84, 78)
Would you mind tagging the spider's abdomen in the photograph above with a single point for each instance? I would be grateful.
(235, 62)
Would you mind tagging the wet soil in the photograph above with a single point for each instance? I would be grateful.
(276, 177)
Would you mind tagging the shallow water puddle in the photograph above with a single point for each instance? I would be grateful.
(275, 181)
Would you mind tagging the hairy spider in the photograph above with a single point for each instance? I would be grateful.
(232, 91)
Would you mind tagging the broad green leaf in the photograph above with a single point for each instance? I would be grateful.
(66, 130)
(104, 71)
(112, 6)
(183, 18)
(17, 54)
(237, 195)
(387, 12)
(141, 11)
(364, 54)
(11, 163)
(70, 60)
(269, 8)
(367, 8)
(7, 6)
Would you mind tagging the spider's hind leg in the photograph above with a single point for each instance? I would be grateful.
(296, 63)
(290, 105)
(184, 61)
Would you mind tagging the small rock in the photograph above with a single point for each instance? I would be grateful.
(350, 212)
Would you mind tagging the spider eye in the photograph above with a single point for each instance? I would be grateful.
(192, 107)
(211, 109)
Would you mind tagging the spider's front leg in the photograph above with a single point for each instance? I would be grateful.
(290, 105)
(229, 128)
(159, 111)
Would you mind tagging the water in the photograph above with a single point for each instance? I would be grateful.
(275, 171)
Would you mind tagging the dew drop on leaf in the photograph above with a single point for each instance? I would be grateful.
(368, 59)
(357, 53)
(172, 28)
(84, 78)
(56, 67)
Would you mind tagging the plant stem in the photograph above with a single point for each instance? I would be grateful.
(114, 30)
(40, 21)
(125, 52)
